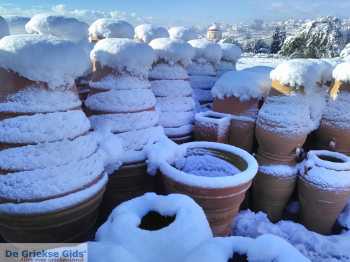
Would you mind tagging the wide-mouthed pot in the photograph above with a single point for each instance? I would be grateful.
(217, 179)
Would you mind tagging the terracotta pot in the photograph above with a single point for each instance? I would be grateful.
(321, 201)
(271, 194)
(276, 144)
(220, 203)
(232, 105)
(242, 133)
(74, 224)
(212, 126)
(130, 181)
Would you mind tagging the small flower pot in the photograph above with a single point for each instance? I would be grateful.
(213, 127)
(324, 189)
(272, 189)
(220, 196)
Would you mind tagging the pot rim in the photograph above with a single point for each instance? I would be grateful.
(243, 177)
(315, 157)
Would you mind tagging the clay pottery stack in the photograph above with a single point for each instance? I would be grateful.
(202, 71)
(216, 176)
(239, 93)
(324, 189)
(170, 85)
(212, 127)
(52, 172)
(230, 55)
(121, 102)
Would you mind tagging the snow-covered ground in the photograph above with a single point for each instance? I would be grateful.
(246, 62)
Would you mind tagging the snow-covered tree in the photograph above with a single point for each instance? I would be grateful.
(316, 39)
(278, 38)
(256, 46)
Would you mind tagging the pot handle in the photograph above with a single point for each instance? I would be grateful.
(332, 144)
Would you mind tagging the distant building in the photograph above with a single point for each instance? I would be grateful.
(214, 33)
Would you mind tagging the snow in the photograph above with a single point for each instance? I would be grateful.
(124, 122)
(124, 55)
(177, 88)
(110, 28)
(4, 27)
(202, 81)
(55, 204)
(147, 32)
(175, 104)
(122, 101)
(40, 58)
(206, 51)
(345, 52)
(40, 128)
(344, 217)
(120, 82)
(168, 72)
(183, 33)
(279, 170)
(264, 248)
(245, 84)
(63, 27)
(179, 131)
(47, 154)
(208, 182)
(202, 68)
(166, 244)
(176, 119)
(27, 186)
(316, 247)
(17, 24)
(36, 100)
(326, 174)
(172, 51)
(337, 112)
(342, 72)
(219, 121)
(230, 52)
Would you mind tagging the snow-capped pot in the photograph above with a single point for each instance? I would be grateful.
(52, 171)
(121, 102)
(148, 32)
(239, 93)
(324, 189)
(157, 228)
(230, 55)
(183, 33)
(334, 131)
(212, 127)
(272, 189)
(202, 70)
(4, 27)
(238, 248)
(170, 85)
(215, 175)
(110, 28)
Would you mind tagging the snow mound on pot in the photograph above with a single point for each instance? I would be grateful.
(298, 73)
(172, 51)
(17, 24)
(342, 72)
(124, 55)
(264, 248)
(64, 27)
(344, 217)
(148, 32)
(246, 84)
(183, 33)
(111, 28)
(46, 59)
(314, 246)
(101, 251)
(166, 165)
(230, 52)
(172, 242)
(206, 50)
(4, 27)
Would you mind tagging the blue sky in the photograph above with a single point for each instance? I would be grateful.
(200, 11)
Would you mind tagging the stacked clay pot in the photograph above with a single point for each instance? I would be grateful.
(216, 176)
(203, 72)
(156, 228)
(170, 85)
(121, 102)
(52, 172)
(110, 28)
(239, 93)
(230, 55)
(334, 131)
(324, 189)
(283, 124)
